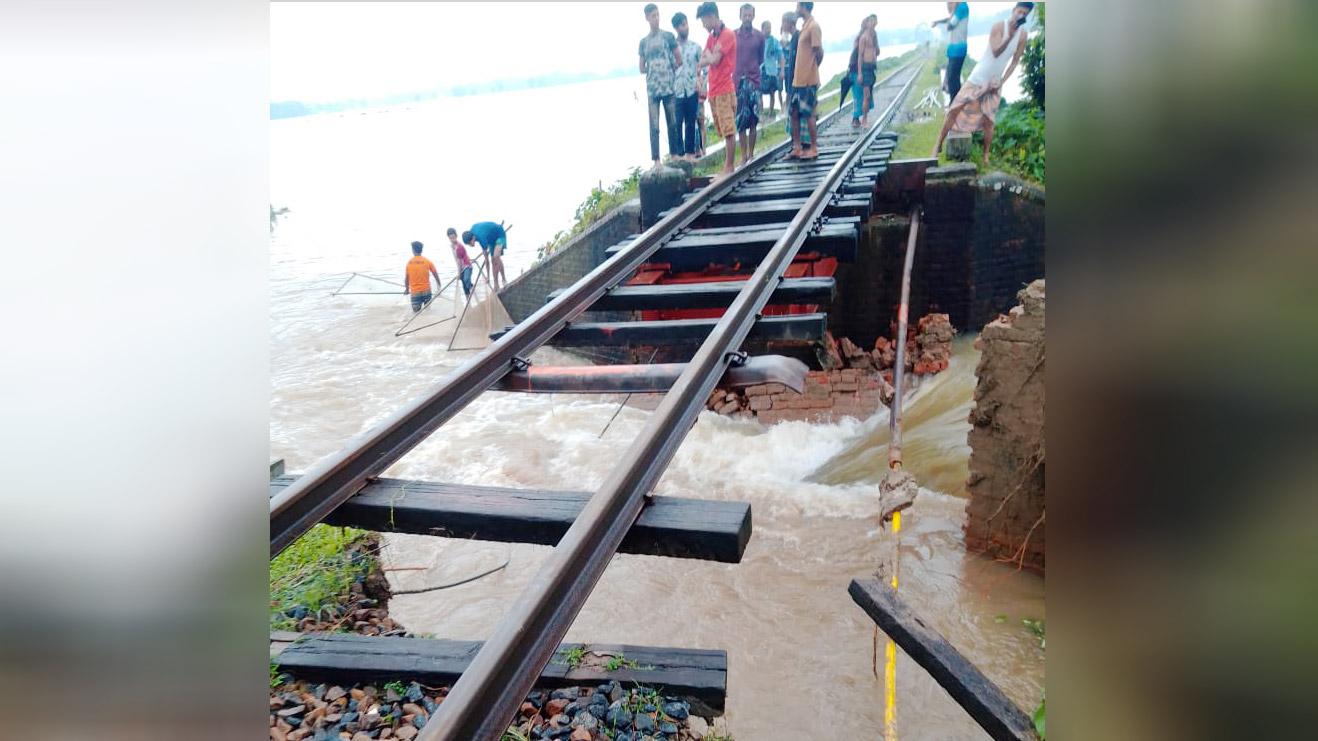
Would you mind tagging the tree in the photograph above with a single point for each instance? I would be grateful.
(1032, 64)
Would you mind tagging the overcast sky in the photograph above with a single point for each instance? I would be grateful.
(339, 50)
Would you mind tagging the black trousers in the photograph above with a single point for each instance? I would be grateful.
(686, 123)
(954, 77)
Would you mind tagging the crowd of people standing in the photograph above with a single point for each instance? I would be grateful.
(733, 73)
(737, 69)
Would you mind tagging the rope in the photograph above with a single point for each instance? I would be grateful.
(458, 583)
(625, 399)
(340, 292)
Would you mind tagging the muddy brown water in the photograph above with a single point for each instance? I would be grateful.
(799, 650)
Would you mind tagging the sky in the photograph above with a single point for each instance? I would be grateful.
(342, 50)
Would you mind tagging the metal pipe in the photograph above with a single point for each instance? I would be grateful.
(647, 379)
(495, 683)
(899, 370)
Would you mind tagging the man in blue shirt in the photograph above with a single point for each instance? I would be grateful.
(771, 71)
(493, 240)
(958, 25)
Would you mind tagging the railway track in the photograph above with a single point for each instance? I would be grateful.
(763, 215)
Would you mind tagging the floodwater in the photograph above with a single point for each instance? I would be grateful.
(800, 652)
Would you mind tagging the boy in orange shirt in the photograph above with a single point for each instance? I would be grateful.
(417, 278)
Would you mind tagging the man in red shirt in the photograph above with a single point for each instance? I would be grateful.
(463, 260)
(721, 58)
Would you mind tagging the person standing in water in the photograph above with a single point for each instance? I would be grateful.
(416, 276)
(976, 106)
(463, 260)
(494, 242)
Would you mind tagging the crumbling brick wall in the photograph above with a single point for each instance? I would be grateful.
(829, 396)
(1005, 514)
(856, 384)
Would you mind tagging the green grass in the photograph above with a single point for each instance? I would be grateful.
(574, 656)
(277, 679)
(1018, 147)
(315, 573)
(1037, 628)
(617, 662)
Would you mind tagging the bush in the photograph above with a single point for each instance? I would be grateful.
(1018, 140)
(596, 206)
(1032, 62)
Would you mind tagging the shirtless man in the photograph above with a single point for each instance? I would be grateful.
(867, 47)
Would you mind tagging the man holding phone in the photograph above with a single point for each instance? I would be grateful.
(976, 106)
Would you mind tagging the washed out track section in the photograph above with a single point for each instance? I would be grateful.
(762, 216)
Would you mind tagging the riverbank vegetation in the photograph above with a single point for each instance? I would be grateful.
(597, 205)
(313, 578)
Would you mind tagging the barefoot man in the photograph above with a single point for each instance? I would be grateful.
(867, 52)
(494, 242)
(805, 82)
(975, 107)
(687, 90)
(659, 57)
(721, 57)
(750, 55)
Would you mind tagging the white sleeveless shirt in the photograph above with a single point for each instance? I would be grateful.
(989, 67)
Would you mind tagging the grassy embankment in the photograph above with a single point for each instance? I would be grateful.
(314, 576)
(1018, 142)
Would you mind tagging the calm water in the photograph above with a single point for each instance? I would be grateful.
(361, 186)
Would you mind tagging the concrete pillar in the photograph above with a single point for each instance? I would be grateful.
(661, 189)
(957, 146)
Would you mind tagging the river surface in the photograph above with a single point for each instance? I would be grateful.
(361, 187)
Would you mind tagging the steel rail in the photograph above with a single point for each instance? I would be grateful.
(489, 692)
(336, 478)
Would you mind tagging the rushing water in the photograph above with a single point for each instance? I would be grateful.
(360, 187)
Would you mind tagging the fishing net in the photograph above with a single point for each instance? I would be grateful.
(440, 311)
(479, 315)
(361, 284)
